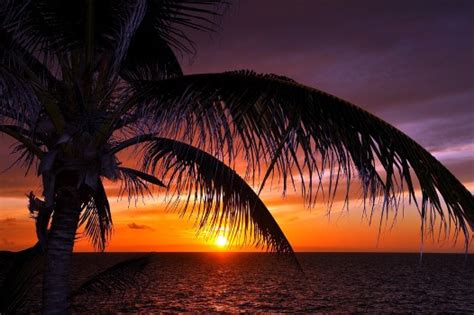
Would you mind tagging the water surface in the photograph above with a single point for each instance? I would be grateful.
(251, 282)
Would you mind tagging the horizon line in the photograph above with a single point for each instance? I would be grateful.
(273, 253)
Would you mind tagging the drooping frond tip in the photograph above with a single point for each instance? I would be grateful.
(118, 277)
(97, 218)
(218, 197)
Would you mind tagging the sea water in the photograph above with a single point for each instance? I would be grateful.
(263, 282)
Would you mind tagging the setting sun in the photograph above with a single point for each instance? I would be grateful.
(221, 241)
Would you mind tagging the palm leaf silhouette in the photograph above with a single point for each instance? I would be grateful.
(26, 267)
(118, 277)
(97, 218)
(285, 123)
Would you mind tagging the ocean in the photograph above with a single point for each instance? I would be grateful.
(264, 282)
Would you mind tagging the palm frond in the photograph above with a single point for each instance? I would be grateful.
(109, 26)
(56, 26)
(218, 197)
(172, 17)
(119, 277)
(149, 57)
(97, 218)
(25, 268)
(23, 63)
(29, 149)
(25, 158)
(135, 183)
(142, 176)
(18, 100)
(301, 131)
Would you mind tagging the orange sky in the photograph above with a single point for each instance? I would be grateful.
(147, 226)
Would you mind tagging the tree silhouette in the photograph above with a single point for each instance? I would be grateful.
(82, 80)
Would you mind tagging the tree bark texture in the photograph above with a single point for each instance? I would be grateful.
(57, 273)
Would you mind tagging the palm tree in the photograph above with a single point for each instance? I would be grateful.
(83, 80)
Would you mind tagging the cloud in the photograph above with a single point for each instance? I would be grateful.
(135, 226)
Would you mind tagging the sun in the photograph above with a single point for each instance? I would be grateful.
(221, 241)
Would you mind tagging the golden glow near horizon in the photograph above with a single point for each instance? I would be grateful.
(221, 241)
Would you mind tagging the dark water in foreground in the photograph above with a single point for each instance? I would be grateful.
(245, 282)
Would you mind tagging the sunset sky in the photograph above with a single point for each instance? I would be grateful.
(409, 62)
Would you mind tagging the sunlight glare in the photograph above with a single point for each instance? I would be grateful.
(221, 241)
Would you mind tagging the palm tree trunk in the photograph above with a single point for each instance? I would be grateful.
(57, 274)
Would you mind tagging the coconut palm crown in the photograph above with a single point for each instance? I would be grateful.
(83, 80)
